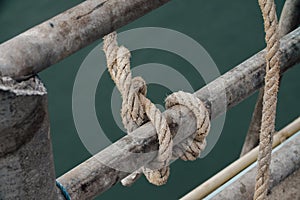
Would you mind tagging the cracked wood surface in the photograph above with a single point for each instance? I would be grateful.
(55, 39)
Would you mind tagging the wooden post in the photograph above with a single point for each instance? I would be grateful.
(26, 161)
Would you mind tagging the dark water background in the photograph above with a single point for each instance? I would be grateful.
(231, 31)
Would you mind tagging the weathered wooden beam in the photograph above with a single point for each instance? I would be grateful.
(103, 170)
(26, 160)
(66, 33)
(215, 182)
(252, 136)
(287, 189)
(290, 17)
(284, 162)
(247, 77)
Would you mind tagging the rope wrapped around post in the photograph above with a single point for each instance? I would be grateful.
(137, 110)
(269, 99)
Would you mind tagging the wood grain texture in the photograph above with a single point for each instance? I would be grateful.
(64, 34)
(284, 162)
(233, 169)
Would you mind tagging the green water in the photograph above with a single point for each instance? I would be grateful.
(231, 31)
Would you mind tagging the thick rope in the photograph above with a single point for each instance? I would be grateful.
(191, 148)
(135, 106)
(137, 110)
(269, 98)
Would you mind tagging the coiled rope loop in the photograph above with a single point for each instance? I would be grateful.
(137, 110)
(191, 148)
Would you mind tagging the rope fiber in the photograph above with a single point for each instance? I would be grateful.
(269, 99)
(137, 109)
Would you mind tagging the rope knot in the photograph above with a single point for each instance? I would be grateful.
(137, 109)
(191, 148)
(139, 85)
(132, 109)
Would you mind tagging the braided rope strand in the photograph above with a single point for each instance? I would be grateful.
(191, 148)
(269, 98)
(137, 110)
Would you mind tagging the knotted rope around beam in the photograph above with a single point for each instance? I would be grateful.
(269, 99)
(137, 110)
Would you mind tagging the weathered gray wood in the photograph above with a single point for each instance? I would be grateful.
(102, 171)
(59, 37)
(247, 77)
(284, 162)
(289, 21)
(252, 137)
(290, 17)
(289, 188)
(26, 161)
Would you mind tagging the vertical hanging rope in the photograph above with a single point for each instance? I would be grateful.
(269, 99)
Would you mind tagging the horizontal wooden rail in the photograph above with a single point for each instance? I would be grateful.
(284, 162)
(101, 172)
(55, 39)
(237, 166)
